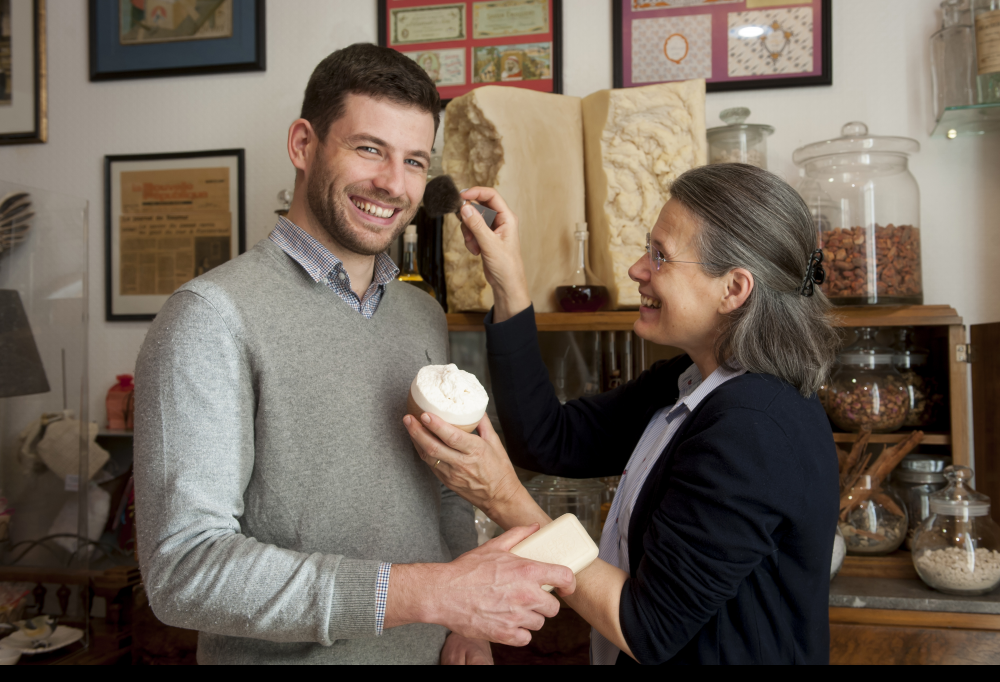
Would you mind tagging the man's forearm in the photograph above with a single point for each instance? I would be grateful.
(407, 600)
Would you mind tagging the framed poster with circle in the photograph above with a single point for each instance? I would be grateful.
(157, 38)
(467, 44)
(168, 219)
(732, 44)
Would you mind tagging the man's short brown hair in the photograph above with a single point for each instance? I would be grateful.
(366, 69)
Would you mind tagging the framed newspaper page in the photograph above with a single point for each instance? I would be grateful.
(732, 44)
(466, 44)
(169, 218)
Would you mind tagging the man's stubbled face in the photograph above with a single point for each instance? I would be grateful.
(368, 176)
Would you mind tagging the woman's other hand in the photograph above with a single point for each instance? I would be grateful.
(459, 650)
(500, 249)
(475, 467)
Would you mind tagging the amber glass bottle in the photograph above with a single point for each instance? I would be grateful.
(410, 270)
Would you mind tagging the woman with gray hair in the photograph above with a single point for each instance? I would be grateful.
(717, 548)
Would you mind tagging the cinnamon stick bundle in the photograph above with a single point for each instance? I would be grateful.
(887, 460)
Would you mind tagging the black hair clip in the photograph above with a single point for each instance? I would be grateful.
(815, 274)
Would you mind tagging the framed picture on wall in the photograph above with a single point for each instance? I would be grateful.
(732, 44)
(464, 45)
(23, 72)
(154, 38)
(168, 219)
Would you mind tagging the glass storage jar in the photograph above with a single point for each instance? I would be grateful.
(866, 389)
(876, 523)
(953, 58)
(986, 15)
(871, 233)
(581, 496)
(911, 361)
(955, 549)
(737, 141)
(916, 477)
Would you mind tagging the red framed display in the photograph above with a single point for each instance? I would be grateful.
(732, 44)
(466, 44)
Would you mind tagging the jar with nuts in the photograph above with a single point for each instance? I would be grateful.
(866, 207)
(911, 361)
(866, 389)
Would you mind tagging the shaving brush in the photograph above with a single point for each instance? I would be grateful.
(442, 197)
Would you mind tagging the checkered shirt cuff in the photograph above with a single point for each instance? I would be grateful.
(381, 596)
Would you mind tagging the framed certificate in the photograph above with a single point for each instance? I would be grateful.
(23, 88)
(169, 219)
(732, 44)
(468, 44)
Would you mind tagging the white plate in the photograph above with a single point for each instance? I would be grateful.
(63, 636)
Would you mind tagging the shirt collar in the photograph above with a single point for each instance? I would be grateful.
(694, 389)
(317, 260)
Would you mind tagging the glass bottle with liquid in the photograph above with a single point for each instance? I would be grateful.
(986, 16)
(410, 270)
(578, 296)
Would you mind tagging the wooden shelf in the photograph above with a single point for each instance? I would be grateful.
(899, 564)
(896, 316)
(929, 438)
(622, 320)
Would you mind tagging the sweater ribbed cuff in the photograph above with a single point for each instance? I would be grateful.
(354, 610)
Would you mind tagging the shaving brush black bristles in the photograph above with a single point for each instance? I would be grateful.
(441, 197)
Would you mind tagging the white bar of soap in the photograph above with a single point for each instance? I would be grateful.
(564, 542)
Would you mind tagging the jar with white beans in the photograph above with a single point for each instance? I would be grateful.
(956, 549)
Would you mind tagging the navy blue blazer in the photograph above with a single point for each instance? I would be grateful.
(731, 537)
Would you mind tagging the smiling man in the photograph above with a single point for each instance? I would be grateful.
(282, 510)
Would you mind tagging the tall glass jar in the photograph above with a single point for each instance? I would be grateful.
(579, 496)
(986, 15)
(953, 58)
(738, 141)
(914, 480)
(955, 550)
(866, 389)
(871, 233)
(911, 361)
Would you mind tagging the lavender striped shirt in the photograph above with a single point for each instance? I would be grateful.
(659, 432)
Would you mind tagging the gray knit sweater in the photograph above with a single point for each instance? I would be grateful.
(272, 469)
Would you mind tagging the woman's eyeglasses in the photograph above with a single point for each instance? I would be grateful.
(656, 257)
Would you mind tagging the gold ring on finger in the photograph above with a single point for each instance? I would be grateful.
(436, 464)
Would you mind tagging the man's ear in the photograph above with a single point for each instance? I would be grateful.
(739, 283)
(302, 143)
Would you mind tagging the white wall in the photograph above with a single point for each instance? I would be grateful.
(881, 76)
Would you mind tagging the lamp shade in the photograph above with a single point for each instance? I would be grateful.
(21, 369)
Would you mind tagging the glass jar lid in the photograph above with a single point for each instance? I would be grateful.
(865, 352)
(957, 498)
(908, 354)
(734, 119)
(855, 139)
(929, 464)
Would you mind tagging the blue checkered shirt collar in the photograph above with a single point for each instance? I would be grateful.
(323, 266)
